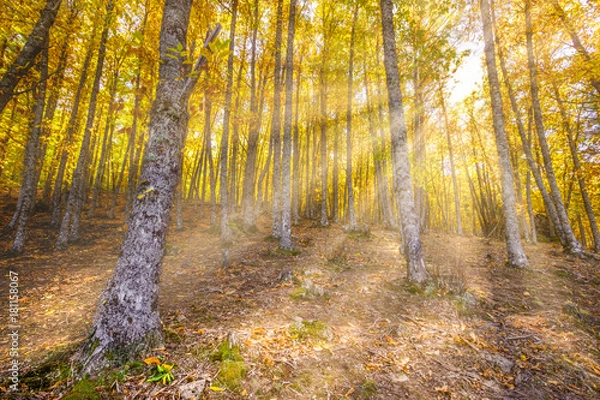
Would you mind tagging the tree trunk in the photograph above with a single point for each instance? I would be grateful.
(69, 229)
(296, 154)
(249, 191)
(516, 255)
(285, 241)
(225, 229)
(34, 45)
(572, 244)
(127, 324)
(323, 125)
(106, 144)
(29, 185)
(416, 270)
(349, 186)
(71, 128)
(276, 126)
(526, 145)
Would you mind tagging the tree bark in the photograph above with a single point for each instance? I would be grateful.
(127, 323)
(572, 244)
(276, 126)
(516, 255)
(224, 189)
(249, 190)
(285, 241)
(526, 145)
(25, 60)
(29, 185)
(416, 270)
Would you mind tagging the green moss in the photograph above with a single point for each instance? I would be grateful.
(231, 373)
(232, 367)
(369, 388)
(85, 389)
(306, 329)
(299, 293)
(283, 252)
(172, 336)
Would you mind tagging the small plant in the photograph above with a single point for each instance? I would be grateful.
(161, 372)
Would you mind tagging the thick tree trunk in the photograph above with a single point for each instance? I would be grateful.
(416, 270)
(34, 45)
(349, 185)
(572, 244)
(276, 126)
(69, 229)
(285, 241)
(127, 324)
(30, 162)
(516, 255)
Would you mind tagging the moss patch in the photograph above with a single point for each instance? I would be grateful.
(85, 389)
(232, 367)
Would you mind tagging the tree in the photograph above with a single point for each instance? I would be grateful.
(30, 160)
(25, 60)
(69, 228)
(127, 324)
(276, 126)
(416, 270)
(349, 183)
(225, 229)
(571, 243)
(285, 241)
(516, 255)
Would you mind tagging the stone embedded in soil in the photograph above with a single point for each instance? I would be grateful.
(312, 289)
(499, 361)
(286, 276)
(192, 390)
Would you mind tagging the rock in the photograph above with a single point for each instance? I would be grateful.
(312, 289)
(499, 361)
(192, 390)
(286, 276)
(313, 272)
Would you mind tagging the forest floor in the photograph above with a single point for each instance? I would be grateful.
(333, 320)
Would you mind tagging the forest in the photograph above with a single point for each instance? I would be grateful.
(300, 199)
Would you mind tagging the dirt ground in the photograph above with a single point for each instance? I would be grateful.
(333, 320)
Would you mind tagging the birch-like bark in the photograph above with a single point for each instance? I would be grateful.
(285, 241)
(416, 270)
(516, 255)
